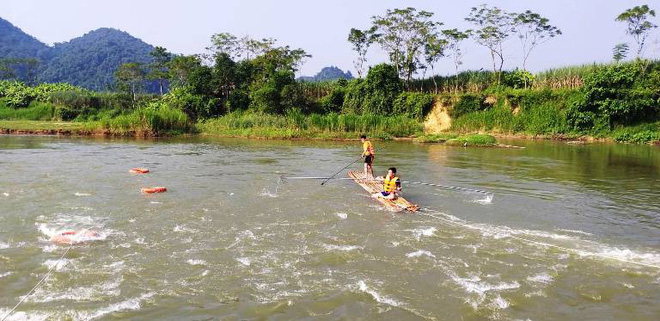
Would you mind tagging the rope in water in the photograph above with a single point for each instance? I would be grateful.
(38, 284)
(457, 188)
(565, 249)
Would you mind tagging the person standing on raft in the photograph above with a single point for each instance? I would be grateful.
(391, 185)
(368, 154)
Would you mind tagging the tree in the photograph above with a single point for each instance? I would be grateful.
(158, 68)
(180, 68)
(620, 51)
(434, 49)
(495, 26)
(533, 30)
(403, 34)
(638, 25)
(130, 78)
(224, 42)
(454, 37)
(361, 41)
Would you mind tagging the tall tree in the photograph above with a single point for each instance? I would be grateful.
(361, 41)
(130, 78)
(494, 27)
(403, 34)
(158, 67)
(533, 30)
(434, 49)
(639, 25)
(454, 38)
(180, 68)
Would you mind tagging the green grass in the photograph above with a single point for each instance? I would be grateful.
(33, 125)
(35, 111)
(473, 140)
(435, 138)
(298, 125)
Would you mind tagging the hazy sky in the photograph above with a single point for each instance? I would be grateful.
(321, 27)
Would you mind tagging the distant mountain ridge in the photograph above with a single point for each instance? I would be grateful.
(327, 74)
(88, 61)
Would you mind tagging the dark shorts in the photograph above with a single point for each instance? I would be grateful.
(368, 159)
(385, 193)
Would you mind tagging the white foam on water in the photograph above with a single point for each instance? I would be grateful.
(155, 202)
(196, 262)
(268, 193)
(95, 293)
(23, 316)
(183, 228)
(140, 240)
(626, 255)
(420, 253)
(4, 246)
(5, 194)
(342, 216)
(362, 286)
(575, 231)
(543, 278)
(50, 263)
(248, 234)
(130, 304)
(244, 260)
(82, 194)
(344, 248)
(499, 303)
(475, 285)
(2, 275)
(428, 231)
(487, 200)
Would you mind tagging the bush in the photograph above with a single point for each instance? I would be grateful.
(617, 94)
(376, 94)
(413, 105)
(473, 140)
(468, 103)
(517, 79)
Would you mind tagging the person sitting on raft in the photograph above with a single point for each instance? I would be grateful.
(74, 237)
(391, 185)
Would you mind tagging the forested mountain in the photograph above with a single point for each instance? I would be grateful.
(327, 74)
(14, 43)
(89, 61)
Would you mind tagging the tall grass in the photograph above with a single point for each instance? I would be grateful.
(35, 111)
(156, 119)
(295, 124)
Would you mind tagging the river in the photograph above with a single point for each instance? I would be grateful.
(572, 232)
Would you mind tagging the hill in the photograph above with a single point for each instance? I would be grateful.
(88, 61)
(91, 60)
(14, 43)
(327, 74)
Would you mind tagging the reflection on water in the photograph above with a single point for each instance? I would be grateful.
(573, 227)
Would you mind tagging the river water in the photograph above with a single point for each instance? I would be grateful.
(572, 233)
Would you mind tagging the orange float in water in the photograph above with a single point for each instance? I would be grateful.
(151, 190)
(139, 170)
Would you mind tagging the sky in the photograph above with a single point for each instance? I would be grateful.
(321, 27)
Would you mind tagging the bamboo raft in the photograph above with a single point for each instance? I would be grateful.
(373, 187)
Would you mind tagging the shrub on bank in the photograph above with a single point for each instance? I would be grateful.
(313, 125)
(473, 140)
(155, 119)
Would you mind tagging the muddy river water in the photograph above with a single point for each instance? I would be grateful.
(572, 232)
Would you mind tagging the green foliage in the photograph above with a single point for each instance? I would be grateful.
(517, 79)
(617, 94)
(154, 119)
(473, 140)
(435, 138)
(17, 95)
(620, 51)
(376, 94)
(468, 103)
(413, 105)
(35, 111)
(296, 124)
(638, 25)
